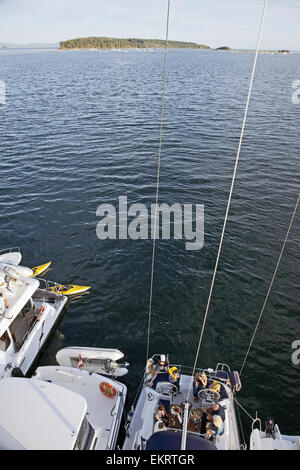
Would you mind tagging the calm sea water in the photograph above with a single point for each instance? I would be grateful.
(81, 128)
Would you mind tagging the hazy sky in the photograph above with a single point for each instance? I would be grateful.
(213, 22)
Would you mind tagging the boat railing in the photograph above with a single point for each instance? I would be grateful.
(45, 295)
(45, 284)
(10, 250)
(256, 421)
(210, 373)
(28, 333)
(39, 295)
(223, 367)
(116, 422)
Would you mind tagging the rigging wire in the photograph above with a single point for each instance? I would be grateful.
(157, 180)
(271, 284)
(244, 445)
(245, 411)
(231, 188)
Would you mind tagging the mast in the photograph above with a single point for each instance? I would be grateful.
(185, 424)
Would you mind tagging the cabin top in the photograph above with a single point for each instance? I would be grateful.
(46, 417)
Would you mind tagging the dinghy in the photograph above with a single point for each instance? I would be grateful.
(99, 360)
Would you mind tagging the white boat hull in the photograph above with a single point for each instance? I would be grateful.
(260, 441)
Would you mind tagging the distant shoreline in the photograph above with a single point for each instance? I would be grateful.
(228, 49)
(100, 43)
(116, 44)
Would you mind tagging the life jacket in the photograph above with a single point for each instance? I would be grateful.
(149, 366)
(215, 386)
(173, 374)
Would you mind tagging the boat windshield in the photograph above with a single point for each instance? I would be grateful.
(85, 436)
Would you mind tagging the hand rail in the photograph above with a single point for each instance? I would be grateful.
(10, 250)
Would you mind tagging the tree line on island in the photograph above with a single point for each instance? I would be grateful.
(135, 43)
(131, 43)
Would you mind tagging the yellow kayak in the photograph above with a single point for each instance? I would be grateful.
(69, 289)
(40, 269)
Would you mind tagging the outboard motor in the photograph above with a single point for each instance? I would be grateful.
(107, 365)
(270, 428)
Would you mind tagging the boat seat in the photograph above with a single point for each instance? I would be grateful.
(222, 375)
(161, 377)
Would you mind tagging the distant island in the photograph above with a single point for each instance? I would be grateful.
(224, 48)
(228, 49)
(131, 43)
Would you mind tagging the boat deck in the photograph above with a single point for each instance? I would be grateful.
(143, 424)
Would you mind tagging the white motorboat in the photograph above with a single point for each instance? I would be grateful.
(60, 409)
(271, 438)
(188, 430)
(27, 314)
(102, 361)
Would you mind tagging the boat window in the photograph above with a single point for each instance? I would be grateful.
(85, 436)
(4, 341)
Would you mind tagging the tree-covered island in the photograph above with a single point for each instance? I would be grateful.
(131, 43)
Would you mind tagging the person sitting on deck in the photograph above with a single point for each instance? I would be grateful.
(218, 410)
(159, 426)
(216, 428)
(200, 382)
(174, 377)
(161, 414)
(217, 387)
(161, 364)
(214, 410)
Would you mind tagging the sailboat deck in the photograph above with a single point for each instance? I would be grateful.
(143, 425)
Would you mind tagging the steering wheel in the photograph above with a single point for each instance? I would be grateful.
(209, 395)
(166, 388)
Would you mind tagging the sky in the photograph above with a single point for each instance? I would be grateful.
(233, 23)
